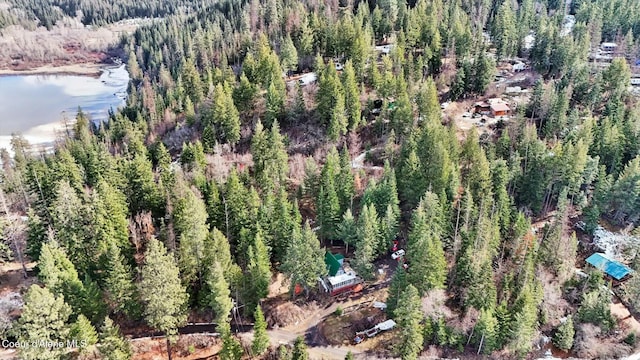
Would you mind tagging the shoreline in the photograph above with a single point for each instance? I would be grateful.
(81, 69)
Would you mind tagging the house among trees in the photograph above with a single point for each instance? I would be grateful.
(612, 268)
(494, 107)
(608, 47)
(341, 278)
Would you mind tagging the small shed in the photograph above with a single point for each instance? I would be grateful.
(613, 268)
(500, 109)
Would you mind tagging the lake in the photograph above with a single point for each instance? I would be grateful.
(35, 105)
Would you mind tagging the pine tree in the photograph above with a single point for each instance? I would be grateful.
(82, 331)
(329, 93)
(408, 316)
(304, 261)
(190, 224)
(258, 271)
(563, 338)
(112, 345)
(220, 297)
(119, 283)
(231, 347)
(299, 350)
(275, 105)
(348, 230)
(328, 203)
(367, 246)
(428, 266)
(486, 331)
(260, 337)
(163, 296)
(345, 181)
(338, 121)
(398, 284)
(44, 318)
(351, 95)
(288, 55)
(192, 81)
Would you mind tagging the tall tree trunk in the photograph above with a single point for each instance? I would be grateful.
(168, 348)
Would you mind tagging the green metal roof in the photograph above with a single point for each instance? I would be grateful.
(334, 262)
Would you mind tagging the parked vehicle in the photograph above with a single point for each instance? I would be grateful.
(398, 254)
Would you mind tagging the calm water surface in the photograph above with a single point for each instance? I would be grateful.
(34, 105)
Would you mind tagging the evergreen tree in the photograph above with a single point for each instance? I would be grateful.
(351, 95)
(231, 347)
(368, 242)
(112, 345)
(299, 349)
(304, 261)
(398, 284)
(275, 105)
(192, 81)
(288, 55)
(486, 331)
(220, 297)
(119, 283)
(163, 296)
(260, 337)
(348, 230)
(408, 316)
(190, 224)
(43, 319)
(563, 338)
(82, 331)
(258, 271)
(425, 254)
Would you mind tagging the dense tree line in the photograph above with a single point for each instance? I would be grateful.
(125, 223)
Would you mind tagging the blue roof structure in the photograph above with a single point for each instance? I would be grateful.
(613, 268)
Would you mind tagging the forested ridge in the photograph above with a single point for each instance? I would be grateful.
(220, 173)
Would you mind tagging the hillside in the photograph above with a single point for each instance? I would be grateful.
(491, 141)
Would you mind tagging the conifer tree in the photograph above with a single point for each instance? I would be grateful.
(367, 246)
(563, 338)
(112, 345)
(275, 105)
(428, 268)
(398, 284)
(119, 284)
(190, 224)
(260, 337)
(44, 318)
(345, 181)
(304, 261)
(82, 331)
(258, 271)
(163, 296)
(299, 349)
(408, 316)
(351, 95)
(220, 297)
(288, 55)
(348, 230)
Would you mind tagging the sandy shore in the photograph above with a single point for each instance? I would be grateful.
(88, 69)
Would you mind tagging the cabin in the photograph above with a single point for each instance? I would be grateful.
(499, 109)
(615, 269)
(482, 108)
(342, 283)
(608, 47)
(340, 278)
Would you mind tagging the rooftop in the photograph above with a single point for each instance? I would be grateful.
(335, 280)
(499, 107)
(615, 269)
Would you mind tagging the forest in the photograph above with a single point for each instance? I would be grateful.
(220, 174)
